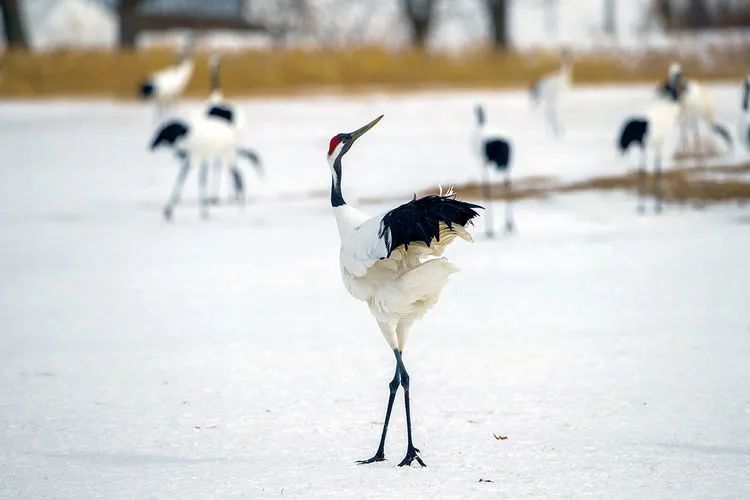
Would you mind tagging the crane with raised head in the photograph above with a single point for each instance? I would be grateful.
(393, 263)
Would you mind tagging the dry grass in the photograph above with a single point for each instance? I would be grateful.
(116, 74)
(695, 185)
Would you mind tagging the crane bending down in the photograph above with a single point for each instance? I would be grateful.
(393, 263)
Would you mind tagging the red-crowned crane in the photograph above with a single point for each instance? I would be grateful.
(392, 262)
(165, 86)
(218, 107)
(211, 134)
(697, 104)
(494, 153)
(650, 133)
(551, 89)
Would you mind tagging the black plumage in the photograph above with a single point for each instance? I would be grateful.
(419, 220)
(147, 90)
(746, 95)
(221, 112)
(633, 132)
(169, 133)
(497, 151)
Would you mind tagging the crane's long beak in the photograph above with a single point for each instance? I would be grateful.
(358, 133)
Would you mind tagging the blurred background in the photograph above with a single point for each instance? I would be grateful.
(159, 342)
(301, 43)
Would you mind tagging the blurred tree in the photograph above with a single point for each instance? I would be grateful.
(15, 34)
(419, 14)
(141, 15)
(128, 12)
(610, 17)
(498, 11)
(698, 15)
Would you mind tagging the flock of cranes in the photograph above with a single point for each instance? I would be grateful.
(393, 261)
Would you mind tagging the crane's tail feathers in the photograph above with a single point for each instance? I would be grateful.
(723, 132)
(420, 288)
(253, 158)
(421, 220)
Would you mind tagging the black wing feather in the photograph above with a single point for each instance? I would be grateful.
(222, 112)
(419, 220)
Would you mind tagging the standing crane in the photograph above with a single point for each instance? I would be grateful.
(650, 133)
(494, 153)
(551, 89)
(393, 263)
(218, 107)
(165, 86)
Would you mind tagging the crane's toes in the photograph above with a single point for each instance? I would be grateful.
(411, 455)
(379, 457)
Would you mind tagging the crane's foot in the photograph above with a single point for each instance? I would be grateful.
(411, 455)
(167, 213)
(510, 228)
(379, 457)
(214, 200)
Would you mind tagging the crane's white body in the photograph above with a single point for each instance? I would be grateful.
(398, 289)
(662, 119)
(209, 137)
(169, 83)
(551, 89)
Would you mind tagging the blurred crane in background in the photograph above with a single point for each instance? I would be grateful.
(494, 154)
(165, 86)
(551, 89)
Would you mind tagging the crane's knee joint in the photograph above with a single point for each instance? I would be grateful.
(405, 380)
(393, 386)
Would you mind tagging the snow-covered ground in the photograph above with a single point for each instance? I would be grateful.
(144, 359)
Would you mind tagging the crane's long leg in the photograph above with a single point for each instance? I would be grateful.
(640, 207)
(487, 192)
(202, 189)
(657, 183)
(411, 451)
(392, 387)
(509, 224)
(238, 183)
(215, 181)
(177, 189)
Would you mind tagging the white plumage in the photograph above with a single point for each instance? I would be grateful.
(697, 105)
(551, 89)
(651, 133)
(165, 86)
(393, 263)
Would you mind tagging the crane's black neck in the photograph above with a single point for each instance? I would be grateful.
(215, 77)
(337, 199)
(746, 96)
